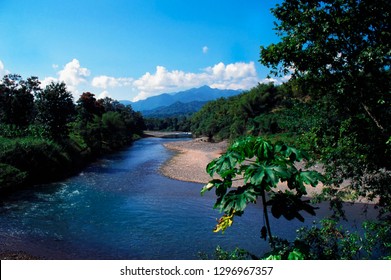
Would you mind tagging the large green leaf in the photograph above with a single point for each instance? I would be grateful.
(255, 174)
(289, 152)
(263, 149)
(310, 177)
(237, 200)
(224, 165)
(244, 147)
(258, 174)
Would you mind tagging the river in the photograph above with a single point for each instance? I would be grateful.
(121, 207)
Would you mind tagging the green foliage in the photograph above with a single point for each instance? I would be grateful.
(12, 131)
(39, 159)
(55, 110)
(17, 100)
(238, 115)
(329, 241)
(44, 139)
(259, 166)
(178, 123)
(339, 52)
(88, 107)
(113, 130)
(10, 176)
(221, 254)
(105, 124)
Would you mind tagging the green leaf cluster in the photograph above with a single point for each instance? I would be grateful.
(259, 166)
(326, 240)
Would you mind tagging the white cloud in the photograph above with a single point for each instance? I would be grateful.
(103, 94)
(236, 76)
(234, 71)
(73, 75)
(121, 87)
(47, 81)
(105, 82)
(232, 76)
(164, 81)
(205, 49)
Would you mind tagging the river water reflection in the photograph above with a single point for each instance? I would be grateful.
(120, 207)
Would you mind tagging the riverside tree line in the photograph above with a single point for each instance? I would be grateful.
(45, 136)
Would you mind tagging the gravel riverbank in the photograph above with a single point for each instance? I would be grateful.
(192, 157)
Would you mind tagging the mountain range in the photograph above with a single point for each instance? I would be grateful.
(179, 103)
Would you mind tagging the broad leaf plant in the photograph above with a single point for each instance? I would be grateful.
(259, 166)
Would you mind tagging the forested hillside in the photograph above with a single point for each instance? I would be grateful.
(251, 112)
(45, 136)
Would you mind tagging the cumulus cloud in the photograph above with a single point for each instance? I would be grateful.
(237, 76)
(120, 87)
(105, 82)
(164, 81)
(47, 81)
(231, 76)
(73, 75)
(205, 49)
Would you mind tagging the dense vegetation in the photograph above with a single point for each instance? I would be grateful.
(45, 136)
(177, 123)
(336, 107)
(246, 113)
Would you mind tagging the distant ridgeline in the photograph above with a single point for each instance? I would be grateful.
(179, 103)
(174, 110)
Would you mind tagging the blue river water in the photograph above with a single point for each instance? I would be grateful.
(121, 207)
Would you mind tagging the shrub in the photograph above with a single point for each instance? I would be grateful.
(40, 159)
(10, 176)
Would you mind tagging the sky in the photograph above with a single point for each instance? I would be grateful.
(134, 49)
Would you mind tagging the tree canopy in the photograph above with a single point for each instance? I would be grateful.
(336, 106)
(339, 52)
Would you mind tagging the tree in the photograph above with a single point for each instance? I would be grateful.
(17, 100)
(88, 106)
(259, 166)
(55, 110)
(339, 51)
(113, 129)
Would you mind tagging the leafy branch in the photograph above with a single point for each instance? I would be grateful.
(261, 165)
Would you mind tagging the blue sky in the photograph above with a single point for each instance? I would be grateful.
(133, 49)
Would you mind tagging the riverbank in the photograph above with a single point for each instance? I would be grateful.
(191, 158)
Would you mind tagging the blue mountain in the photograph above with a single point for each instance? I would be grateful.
(201, 94)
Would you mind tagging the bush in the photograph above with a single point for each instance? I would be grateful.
(10, 176)
(40, 159)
